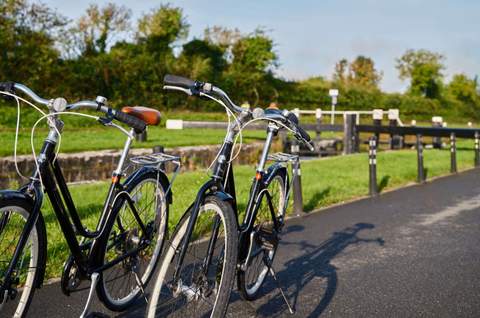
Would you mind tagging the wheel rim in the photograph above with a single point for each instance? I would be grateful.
(257, 271)
(9, 236)
(191, 295)
(120, 282)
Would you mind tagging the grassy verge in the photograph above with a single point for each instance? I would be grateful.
(98, 138)
(324, 181)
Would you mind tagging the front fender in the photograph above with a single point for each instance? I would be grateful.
(223, 196)
(15, 194)
(273, 170)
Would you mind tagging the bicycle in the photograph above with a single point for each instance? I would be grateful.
(120, 255)
(190, 284)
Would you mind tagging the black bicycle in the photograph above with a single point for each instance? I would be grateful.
(209, 250)
(120, 255)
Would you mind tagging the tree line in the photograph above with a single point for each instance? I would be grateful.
(105, 52)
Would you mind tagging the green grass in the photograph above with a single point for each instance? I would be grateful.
(325, 182)
(98, 138)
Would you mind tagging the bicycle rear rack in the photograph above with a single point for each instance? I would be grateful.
(158, 161)
(155, 159)
(283, 157)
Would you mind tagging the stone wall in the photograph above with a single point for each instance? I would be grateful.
(98, 165)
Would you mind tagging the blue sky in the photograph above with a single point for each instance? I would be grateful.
(311, 35)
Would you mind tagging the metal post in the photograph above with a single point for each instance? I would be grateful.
(297, 182)
(453, 153)
(420, 168)
(477, 149)
(372, 162)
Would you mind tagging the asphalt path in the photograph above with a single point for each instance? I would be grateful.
(413, 252)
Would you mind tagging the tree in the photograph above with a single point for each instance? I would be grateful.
(424, 70)
(96, 29)
(362, 72)
(253, 59)
(340, 74)
(201, 59)
(27, 52)
(464, 89)
(165, 24)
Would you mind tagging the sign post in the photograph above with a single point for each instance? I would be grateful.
(333, 94)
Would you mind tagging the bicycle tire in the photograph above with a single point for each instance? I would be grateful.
(36, 258)
(112, 297)
(250, 279)
(160, 305)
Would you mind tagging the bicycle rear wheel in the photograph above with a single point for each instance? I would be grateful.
(13, 216)
(202, 290)
(265, 238)
(120, 285)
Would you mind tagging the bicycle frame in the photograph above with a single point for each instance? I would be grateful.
(49, 174)
(222, 184)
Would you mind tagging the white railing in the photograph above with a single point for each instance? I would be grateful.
(393, 114)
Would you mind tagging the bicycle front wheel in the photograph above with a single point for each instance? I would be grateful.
(121, 284)
(265, 239)
(13, 216)
(203, 287)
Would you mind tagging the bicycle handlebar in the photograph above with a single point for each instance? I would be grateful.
(137, 124)
(197, 88)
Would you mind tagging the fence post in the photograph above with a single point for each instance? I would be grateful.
(420, 168)
(477, 149)
(349, 134)
(437, 121)
(396, 141)
(453, 153)
(372, 162)
(318, 122)
(297, 182)
(377, 121)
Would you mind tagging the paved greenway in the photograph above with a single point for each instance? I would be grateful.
(413, 252)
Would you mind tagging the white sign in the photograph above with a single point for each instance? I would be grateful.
(333, 92)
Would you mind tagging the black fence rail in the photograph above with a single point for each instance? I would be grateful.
(418, 132)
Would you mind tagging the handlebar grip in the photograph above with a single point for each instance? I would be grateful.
(133, 122)
(174, 80)
(303, 133)
(293, 118)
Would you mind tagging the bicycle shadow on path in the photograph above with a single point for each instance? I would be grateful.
(300, 278)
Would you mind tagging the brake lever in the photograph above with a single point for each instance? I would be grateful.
(181, 89)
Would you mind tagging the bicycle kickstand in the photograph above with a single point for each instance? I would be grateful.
(93, 285)
(140, 284)
(272, 272)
